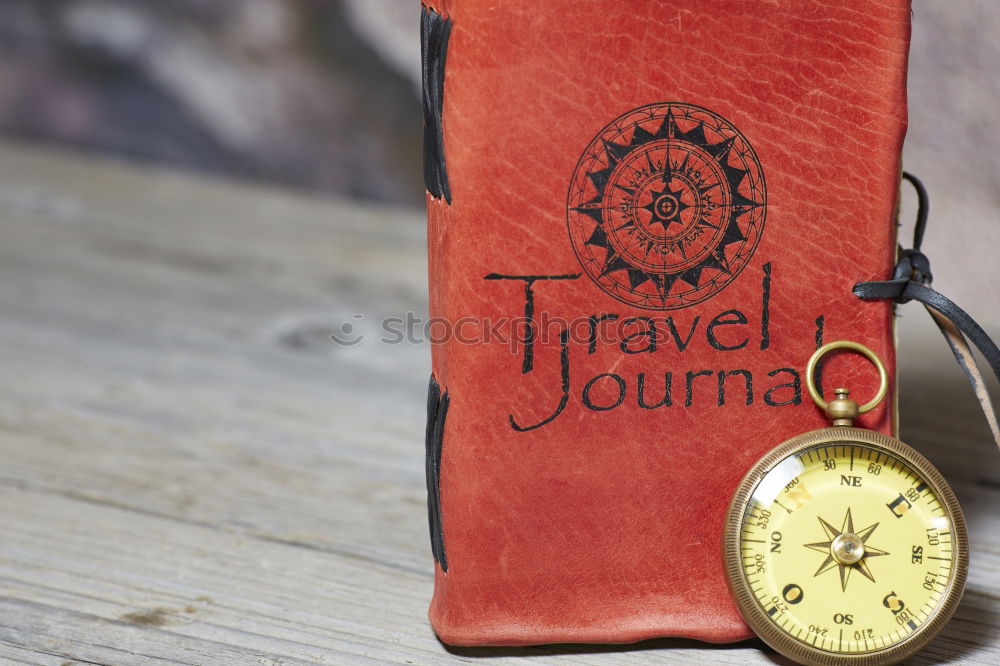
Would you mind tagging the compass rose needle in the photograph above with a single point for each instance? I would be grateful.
(827, 564)
(848, 523)
(824, 547)
(862, 566)
(866, 532)
(830, 530)
(845, 575)
(846, 549)
(874, 552)
(870, 551)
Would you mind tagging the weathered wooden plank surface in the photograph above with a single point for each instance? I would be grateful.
(190, 472)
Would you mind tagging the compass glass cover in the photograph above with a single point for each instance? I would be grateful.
(847, 548)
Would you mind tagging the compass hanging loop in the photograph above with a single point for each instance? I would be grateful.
(842, 410)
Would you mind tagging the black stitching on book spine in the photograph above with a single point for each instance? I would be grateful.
(437, 411)
(435, 30)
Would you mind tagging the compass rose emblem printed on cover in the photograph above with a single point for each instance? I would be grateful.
(666, 206)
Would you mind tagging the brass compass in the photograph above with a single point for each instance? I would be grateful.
(844, 545)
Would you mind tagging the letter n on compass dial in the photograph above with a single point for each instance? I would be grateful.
(666, 206)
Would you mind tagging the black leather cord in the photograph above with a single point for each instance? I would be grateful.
(903, 291)
(911, 281)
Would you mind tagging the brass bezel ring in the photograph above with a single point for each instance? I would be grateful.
(754, 613)
(883, 375)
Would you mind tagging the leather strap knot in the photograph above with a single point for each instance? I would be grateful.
(911, 280)
(913, 265)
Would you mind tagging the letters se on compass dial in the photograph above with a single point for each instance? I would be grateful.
(850, 549)
(666, 206)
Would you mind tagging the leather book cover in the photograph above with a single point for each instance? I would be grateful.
(644, 217)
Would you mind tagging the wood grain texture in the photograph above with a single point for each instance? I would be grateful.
(193, 473)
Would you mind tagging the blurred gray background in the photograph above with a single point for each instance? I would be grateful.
(324, 95)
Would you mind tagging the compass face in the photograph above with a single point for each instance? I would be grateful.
(846, 548)
(666, 206)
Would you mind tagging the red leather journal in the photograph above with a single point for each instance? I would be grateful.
(644, 216)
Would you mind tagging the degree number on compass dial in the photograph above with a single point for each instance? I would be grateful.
(845, 546)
